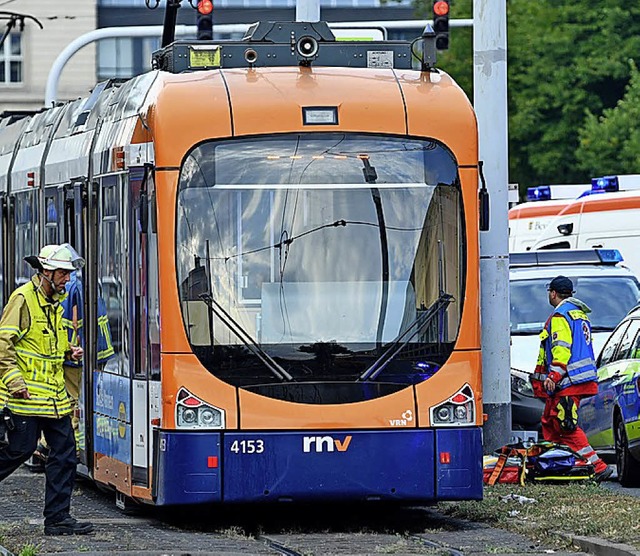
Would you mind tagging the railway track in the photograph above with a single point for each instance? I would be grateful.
(354, 530)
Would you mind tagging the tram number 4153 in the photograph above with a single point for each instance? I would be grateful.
(247, 446)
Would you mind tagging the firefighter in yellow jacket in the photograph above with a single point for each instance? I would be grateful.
(33, 348)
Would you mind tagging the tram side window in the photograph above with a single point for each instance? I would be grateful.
(110, 272)
(153, 301)
(51, 222)
(26, 218)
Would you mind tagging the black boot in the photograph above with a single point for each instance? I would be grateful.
(69, 526)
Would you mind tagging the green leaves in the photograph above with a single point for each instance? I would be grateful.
(610, 143)
(572, 92)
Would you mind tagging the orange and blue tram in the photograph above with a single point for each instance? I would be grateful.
(284, 233)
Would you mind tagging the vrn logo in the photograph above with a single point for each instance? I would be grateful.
(321, 444)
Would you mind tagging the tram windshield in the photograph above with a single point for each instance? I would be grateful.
(320, 259)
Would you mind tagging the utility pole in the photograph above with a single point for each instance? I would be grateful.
(490, 101)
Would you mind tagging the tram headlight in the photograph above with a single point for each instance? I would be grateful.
(189, 416)
(193, 413)
(210, 417)
(458, 410)
(444, 414)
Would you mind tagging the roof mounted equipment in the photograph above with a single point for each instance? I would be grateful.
(279, 44)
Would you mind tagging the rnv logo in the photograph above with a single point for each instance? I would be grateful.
(324, 444)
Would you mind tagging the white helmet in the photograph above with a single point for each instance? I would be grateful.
(63, 257)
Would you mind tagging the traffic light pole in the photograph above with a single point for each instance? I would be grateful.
(308, 10)
(170, 18)
(490, 102)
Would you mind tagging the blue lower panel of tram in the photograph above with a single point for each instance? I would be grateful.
(408, 465)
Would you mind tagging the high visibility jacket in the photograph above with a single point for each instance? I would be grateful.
(566, 350)
(33, 345)
(75, 323)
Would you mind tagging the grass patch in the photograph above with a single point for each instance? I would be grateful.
(28, 550)
(584, 510)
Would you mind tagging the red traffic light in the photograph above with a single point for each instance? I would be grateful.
(441, 8)
(205, 7)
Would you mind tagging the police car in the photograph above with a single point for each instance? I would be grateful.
(599, 279)
(611, 418)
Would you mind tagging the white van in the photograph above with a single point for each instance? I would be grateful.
(604, 221)
(528, 220)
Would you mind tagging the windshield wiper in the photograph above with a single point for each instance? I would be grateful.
(245, 338)
(403, 339)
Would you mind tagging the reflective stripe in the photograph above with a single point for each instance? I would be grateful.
(581, 363)
(106, 353)
(557, 369)
(47, 390)
(39, 356)
(45, 409)
(560, 343)
(585, 376)
(539, 376)
(11, 375)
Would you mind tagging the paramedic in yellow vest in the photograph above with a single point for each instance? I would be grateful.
(33, 348)
(566, 372)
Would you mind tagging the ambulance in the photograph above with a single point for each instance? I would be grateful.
(544, 202)
(529, 223)
(605, 221)
(528, 220)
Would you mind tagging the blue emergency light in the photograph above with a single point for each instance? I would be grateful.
(605, 184)
(609, 256)
(539, 193)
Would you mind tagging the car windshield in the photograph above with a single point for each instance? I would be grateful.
(609, 304)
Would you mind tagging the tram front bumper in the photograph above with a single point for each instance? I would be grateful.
(414, 466)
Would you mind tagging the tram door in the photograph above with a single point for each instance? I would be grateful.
(70, 203)
(139, 330)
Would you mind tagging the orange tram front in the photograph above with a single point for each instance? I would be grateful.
(299, 314)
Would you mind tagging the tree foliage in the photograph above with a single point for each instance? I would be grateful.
(603, 149)
(568, 67)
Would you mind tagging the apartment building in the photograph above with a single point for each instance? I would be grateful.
(27, 54)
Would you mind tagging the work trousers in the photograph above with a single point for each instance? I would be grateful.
(60, 469)
(576, 440)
